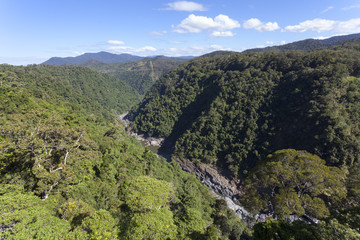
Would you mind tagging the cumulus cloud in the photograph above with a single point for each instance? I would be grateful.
(220, 25)
(350, 26)
(322, 25)
(185, 6)
(254, 23)
(147, 48)
(222, 34)
(318, 25)
(115, 42)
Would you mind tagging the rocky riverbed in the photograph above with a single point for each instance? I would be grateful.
(149, 141)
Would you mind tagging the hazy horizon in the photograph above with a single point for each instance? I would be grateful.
(34, 31)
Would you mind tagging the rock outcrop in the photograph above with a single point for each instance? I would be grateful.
(211, 178)
(149, 141)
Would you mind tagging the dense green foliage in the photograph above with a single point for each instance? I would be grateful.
(294, 182)
(310, 44)
(234, 110)
(141, 74)
(299, 184)
(68, 172)
(83, 88)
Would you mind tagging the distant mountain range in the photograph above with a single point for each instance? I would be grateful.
(104, 57)
(141, 72)
(310, 44)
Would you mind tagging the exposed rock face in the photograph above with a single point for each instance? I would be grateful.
(122, 118)
(149, 141)
(229, 190)
(211, 178)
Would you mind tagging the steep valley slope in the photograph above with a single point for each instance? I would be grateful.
(231, 111)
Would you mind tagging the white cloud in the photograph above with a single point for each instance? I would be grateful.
(125, 49)
(322, 25)
(77, 53)
(144, 51)
(224, 22)
(196, 24)
(216, 47)
(321, 38)
(194, 50)
(222, 34)
(351, 7)
(147, 48)
(350, 26)
(327, 9)
(115, 42)
(161, 33)
(282, 42)
(185, 6)
(254, 23)
(318, 25)
(269, 43)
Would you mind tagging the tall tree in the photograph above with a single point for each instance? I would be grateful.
(292, 182)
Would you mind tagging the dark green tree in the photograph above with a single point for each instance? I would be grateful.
(292, 182)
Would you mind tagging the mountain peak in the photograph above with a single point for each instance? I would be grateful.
(104, 57)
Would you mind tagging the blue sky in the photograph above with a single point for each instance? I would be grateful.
(33, 31)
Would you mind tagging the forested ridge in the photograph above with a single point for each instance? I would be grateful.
(141, 74)
(83, 88)
(68, 170)
(310, 44)
(285, 123)
(232, 111)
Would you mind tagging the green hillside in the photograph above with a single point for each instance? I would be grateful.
(89, 90)
(234, 110)
(69, 171)
(310, 44)
(141, 74)
(285, 125)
